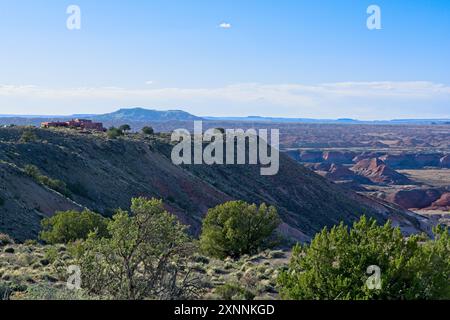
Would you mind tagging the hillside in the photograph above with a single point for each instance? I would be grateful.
(104, 174)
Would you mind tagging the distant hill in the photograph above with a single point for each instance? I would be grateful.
(141, 114)
(330, 121)
(261, 119)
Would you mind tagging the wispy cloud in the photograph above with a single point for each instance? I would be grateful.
(225, 25)
(277, 93)
(357, 99)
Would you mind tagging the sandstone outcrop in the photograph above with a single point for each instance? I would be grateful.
(377, 171)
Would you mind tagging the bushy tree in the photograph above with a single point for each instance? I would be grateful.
(125, 128)
(147, 130)
(335, 265)
(236, 227)
(114, 133)
(145, 257)
(69, 226)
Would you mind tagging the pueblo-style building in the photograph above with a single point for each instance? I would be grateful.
(75, 123)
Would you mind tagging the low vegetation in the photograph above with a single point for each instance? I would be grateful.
(125, 128)
(114, 133)
(145, 257)
(69, 226)
(236, 228)
(335, 264)
(147, 130)
(54, 184)
(147, 254)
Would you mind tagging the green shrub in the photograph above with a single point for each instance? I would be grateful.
(148, 130)
(147, 256)
(114, 133)
(32, 171)
(235, 228)
(68, 226)
(53, 184)
(125, 128)
(335, 265)
(51, 255)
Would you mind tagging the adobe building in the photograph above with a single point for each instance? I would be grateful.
(82, 124)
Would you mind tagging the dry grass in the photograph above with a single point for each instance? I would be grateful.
(32, 271)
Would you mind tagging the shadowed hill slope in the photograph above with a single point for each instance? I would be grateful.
(103, 175)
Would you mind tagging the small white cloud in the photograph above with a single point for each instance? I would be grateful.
(149, 82)
(225, 25)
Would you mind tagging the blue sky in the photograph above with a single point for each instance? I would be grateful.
(287, 58)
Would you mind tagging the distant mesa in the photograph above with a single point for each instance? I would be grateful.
(347, 120)
(141, 114)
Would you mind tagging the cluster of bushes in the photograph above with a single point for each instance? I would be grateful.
(232, 229)
(146, 253)
(114, 132)
(53, 184)
(128, 256)
(142, 254)
(335, 265)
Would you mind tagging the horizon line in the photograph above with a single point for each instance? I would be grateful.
(228, 117)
